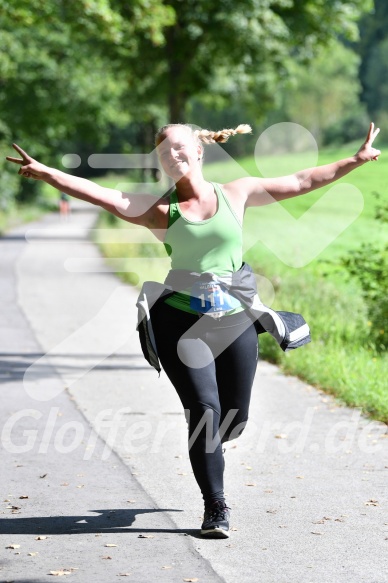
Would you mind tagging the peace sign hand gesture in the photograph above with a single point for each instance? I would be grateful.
(30, 168)
(367, 153)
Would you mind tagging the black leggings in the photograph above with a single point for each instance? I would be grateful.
(212, 364)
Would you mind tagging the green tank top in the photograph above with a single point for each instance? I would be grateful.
(212, 245)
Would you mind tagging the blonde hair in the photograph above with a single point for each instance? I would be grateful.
(206, 136)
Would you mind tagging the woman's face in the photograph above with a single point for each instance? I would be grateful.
(178, 152)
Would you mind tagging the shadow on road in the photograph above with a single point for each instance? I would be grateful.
(118, 520)
(13, 365)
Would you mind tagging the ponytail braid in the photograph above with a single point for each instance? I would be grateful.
(206, 136)
(209, 137)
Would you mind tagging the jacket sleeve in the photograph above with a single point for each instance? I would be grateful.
(150, 293)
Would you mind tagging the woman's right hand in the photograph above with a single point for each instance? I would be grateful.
(29, 168)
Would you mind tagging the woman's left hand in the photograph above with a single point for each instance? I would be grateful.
(367, 153)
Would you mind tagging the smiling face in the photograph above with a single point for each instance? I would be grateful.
(178, 152)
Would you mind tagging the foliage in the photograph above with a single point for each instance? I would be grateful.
(373, 47)
(73, 73)
(58, 84)
(9, 179)
(249, 42)
(323, 95)
(369, 265)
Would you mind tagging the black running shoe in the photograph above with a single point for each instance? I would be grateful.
(216, 521)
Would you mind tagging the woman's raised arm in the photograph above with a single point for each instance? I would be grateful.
(260, 191)
(135, 209)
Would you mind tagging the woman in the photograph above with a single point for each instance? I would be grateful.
(205, 338)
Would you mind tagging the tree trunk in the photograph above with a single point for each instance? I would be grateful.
(177, 98)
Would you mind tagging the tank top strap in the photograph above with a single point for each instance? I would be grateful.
(173, 209)
(223, 202)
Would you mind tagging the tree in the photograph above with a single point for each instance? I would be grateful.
(372, 47)
(57, 83)
(250, 39)
(323, 96)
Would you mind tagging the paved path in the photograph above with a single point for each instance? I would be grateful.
(98, 444)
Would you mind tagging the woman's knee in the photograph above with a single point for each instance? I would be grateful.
(234, 429)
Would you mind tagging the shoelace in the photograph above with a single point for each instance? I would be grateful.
(217, 511)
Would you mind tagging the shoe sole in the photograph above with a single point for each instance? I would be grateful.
(215, 533)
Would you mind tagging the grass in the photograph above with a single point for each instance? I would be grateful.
(20, 214)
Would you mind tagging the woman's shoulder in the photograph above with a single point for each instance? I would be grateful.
(234, 193)
(160, 212)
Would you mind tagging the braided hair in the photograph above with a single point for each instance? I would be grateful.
(206, 136)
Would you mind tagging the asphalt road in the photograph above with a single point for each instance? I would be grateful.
(94, 446)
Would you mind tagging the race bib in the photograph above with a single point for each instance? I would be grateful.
(211, 297)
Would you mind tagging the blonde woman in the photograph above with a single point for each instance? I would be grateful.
(206, 338)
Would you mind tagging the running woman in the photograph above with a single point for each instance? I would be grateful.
(210, 358)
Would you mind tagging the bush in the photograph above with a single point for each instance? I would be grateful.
(369, 264)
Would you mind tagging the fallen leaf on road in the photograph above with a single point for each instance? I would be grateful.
(13, 546)
(146, 536)
(107, 557)
(281, 436)
(110, 545)
(23, 497)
